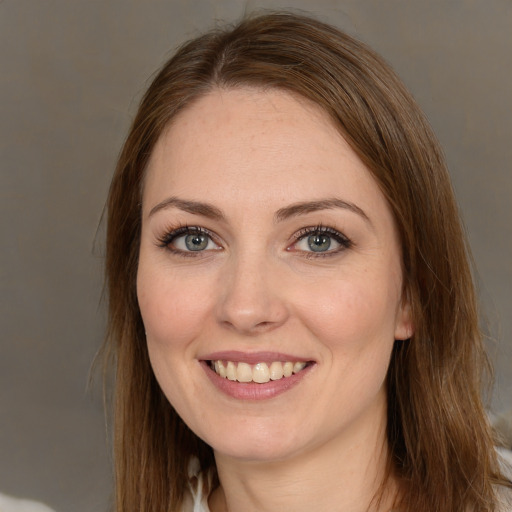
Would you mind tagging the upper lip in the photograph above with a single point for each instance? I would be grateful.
(252, 357)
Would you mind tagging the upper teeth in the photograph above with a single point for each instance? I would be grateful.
(260, 372)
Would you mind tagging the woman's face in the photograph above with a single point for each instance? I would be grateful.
(268, 248)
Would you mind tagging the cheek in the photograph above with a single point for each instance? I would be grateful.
(173, 314)
(172, 308)
(349, 315)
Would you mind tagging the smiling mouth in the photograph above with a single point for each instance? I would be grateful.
(260, 373)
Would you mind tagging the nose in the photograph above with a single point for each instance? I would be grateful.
(250, 299)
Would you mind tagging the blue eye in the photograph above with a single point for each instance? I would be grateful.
(196, 242)
(321, 241)
(188, 240)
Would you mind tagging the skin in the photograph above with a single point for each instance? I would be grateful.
(250, 153)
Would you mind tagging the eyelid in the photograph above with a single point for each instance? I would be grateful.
(338, 236)
(171, 234)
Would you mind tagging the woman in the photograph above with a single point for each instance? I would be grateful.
(292, 313)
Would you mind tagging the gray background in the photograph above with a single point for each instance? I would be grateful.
(71, 73)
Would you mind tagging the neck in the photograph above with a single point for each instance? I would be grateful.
(348, 473)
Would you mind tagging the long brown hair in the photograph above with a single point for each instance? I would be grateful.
(440, 443)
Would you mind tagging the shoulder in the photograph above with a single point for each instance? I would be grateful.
(505, 499)
(505, 493)
(10, 504)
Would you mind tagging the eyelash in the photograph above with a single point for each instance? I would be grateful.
(165, 241)
(170, 235)
(345, 242)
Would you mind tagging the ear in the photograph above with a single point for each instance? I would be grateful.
(404, 326)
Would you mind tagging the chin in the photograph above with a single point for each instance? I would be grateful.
(255, 444)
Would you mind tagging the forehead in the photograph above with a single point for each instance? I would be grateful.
(249, 118)
(257, 150)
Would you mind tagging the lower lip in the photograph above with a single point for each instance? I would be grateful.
(253, 390)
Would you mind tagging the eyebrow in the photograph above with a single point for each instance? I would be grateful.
(312, 206)
(293, 210)
(195, 207)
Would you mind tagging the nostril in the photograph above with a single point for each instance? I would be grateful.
(249, 327)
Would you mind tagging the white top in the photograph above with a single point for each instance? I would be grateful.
(10, 504)
(193, 504)
(505, 495)
(199, 503)
(196, 501)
